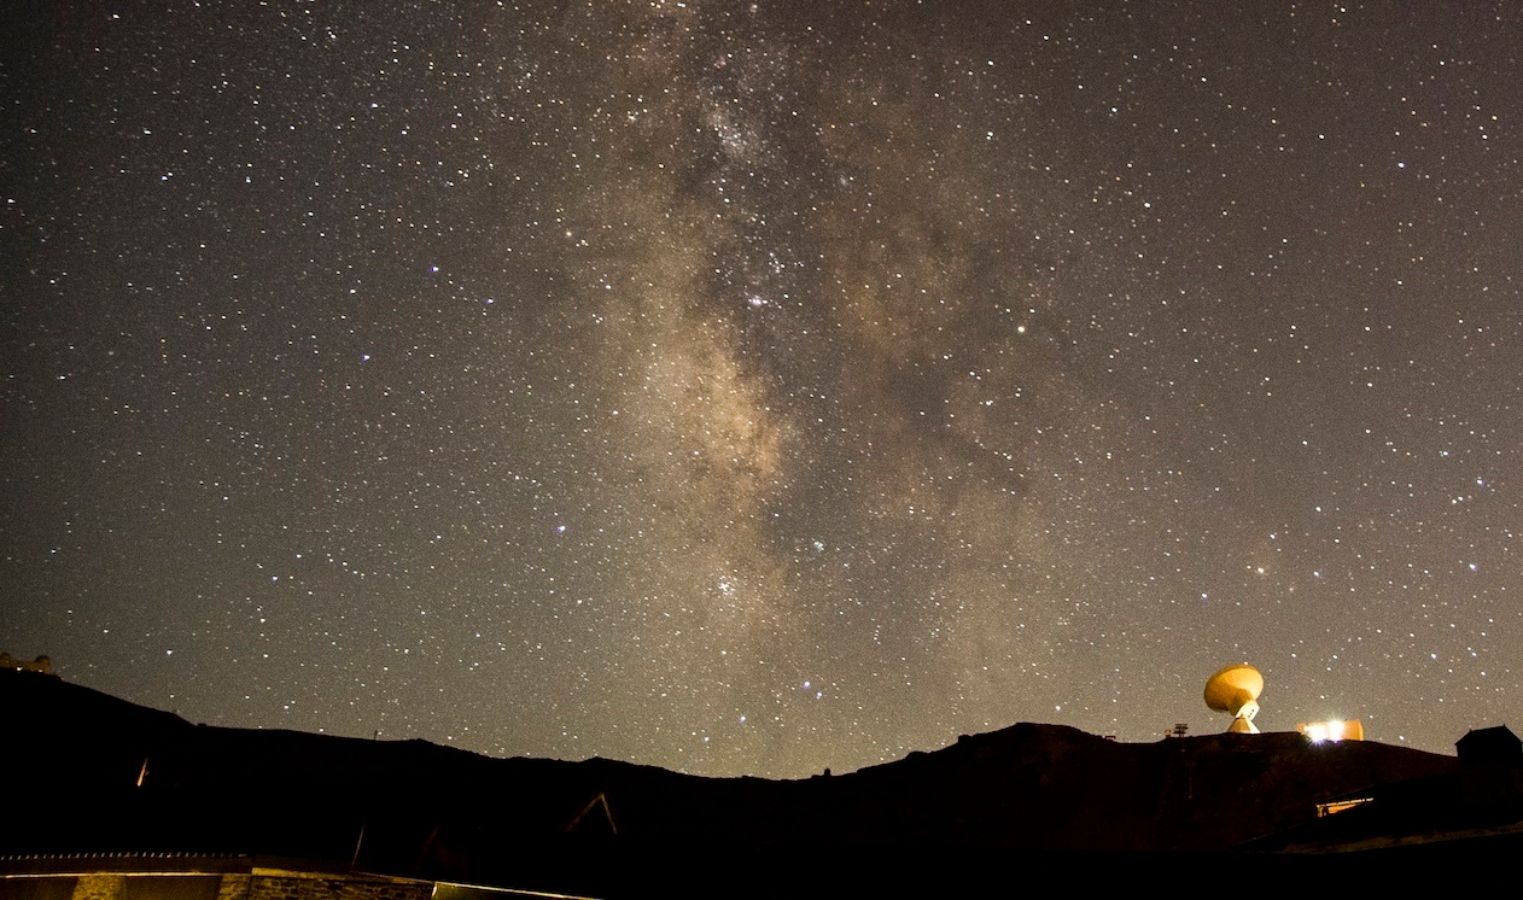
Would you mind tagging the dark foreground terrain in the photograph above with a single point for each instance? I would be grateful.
(87, 772)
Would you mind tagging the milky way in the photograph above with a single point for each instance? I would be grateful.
(761, 388)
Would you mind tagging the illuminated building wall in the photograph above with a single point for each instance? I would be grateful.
(177, 877)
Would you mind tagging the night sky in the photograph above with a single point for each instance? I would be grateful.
(756, 388)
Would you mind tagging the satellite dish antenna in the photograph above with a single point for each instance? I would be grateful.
(1235, 690)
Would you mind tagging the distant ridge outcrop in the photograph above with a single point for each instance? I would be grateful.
(42, 665)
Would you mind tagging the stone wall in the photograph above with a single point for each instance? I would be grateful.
(301, 886)
(258, 885)
(99, 887)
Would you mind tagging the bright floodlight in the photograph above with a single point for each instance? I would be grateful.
(1332, 731)
(1235, 690)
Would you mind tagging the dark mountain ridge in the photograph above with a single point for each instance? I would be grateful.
(95, 773)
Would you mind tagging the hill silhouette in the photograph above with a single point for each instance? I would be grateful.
(93, 773)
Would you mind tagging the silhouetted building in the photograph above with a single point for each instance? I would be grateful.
(1491, 766)
(1487, 746)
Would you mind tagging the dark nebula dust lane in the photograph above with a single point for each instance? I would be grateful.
(760, 388)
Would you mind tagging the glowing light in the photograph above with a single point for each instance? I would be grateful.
(1332, 730)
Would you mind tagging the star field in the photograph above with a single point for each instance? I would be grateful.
(756, 388)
